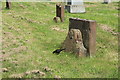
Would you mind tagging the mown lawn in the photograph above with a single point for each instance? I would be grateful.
(29, 35)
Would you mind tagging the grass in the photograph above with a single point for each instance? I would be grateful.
(32, 28)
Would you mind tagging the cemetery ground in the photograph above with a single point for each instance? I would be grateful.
(29, 36)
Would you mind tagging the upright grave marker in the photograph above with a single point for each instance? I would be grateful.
(107, 1)
(75, 6)
(59, 13)
(82, 39)
(8, 4)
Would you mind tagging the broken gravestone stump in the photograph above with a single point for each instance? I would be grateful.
(59, 13)
(81, 38)
(8, 4)
(74, 43)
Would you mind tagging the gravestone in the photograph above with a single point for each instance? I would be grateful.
(8, 4)
(87, 33)
(75, 6)
(107, 1)
(60, 12)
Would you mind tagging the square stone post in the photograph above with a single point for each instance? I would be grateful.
(60, 11)
(8, 4)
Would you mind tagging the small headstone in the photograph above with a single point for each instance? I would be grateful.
(8, 4)
(107, 1)
(60, 11)
(75, 6)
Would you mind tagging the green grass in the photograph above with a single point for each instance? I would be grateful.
(42, 40)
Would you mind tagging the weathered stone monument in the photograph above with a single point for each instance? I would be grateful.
(75, 6)
(59, 13)
(81, 38)
(8, 4)
(74, 43)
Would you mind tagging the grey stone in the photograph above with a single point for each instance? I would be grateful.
(75, 6)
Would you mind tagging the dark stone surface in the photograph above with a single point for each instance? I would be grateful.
(8, 4)
(88, 30)
(60, 11)
(85, 30)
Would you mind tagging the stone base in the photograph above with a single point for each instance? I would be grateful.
(57, 19)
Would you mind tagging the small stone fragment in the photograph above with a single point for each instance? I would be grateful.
(56, 19)
(42, 73)
(27, 73)
(35, 71)
(17, 75)
(3, 51)
(15, 62)
(47, 69)
(57, 77)
(4, 70)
